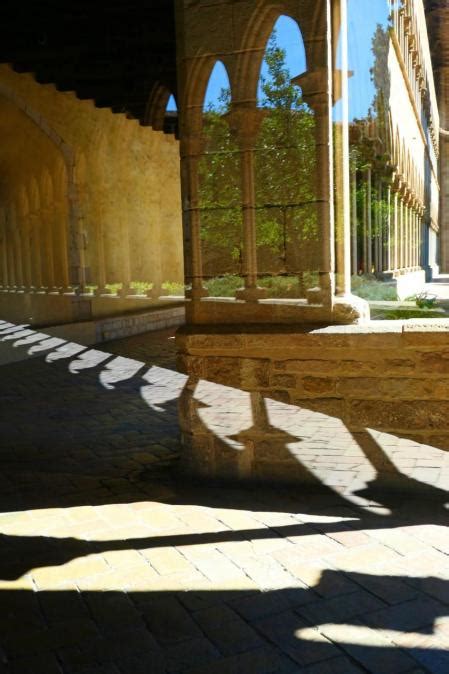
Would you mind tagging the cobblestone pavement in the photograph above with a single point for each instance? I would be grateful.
(109, 564)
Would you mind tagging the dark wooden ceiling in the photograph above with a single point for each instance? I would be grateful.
(112, 51)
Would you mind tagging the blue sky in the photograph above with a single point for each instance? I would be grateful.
(171, 105)
(363, 16)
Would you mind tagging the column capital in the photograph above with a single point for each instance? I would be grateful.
(244, 122)
(315, 86)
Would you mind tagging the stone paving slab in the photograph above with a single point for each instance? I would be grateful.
(110, 564)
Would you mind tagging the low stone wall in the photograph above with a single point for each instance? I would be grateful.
(44, 309)
(295, 405)
(118, 327)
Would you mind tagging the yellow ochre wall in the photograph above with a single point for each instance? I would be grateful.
(84, 193)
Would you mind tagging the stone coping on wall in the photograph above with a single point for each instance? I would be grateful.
(346, 309)
(374, 327)
(49, 309)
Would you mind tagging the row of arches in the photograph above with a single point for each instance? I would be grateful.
(34, 228)
(255, 163)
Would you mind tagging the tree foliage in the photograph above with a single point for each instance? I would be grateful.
(285, 170)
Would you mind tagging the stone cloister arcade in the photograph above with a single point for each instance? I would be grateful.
(295, 182)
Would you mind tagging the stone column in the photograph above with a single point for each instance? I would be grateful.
(10, 245)
(415, 235)
(400, 231)
(418, 237)
(245, 124)
(395, 248)
(126, 291)
(26, 248)
(444, 202)
(6, 282)
(387, 241)
(406, 232)
(19, 261)
(316, 89)
(379, 232)
(101, 261)
(47, 240)
(341, 147)
(16, 252)
(367, 223)
(62, 246)
(35, 246)
(190, 157)
(354, 251)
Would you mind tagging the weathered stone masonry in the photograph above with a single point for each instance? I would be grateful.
(392, 378)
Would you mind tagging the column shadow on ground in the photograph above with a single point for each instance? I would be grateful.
(369, 627)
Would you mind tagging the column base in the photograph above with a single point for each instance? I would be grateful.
(127, 292)
(350, 309)
(252, 294)
(100, 292)
(154, 293)
(197, 293)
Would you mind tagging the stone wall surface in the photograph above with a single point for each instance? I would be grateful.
(86, 196)
(332, 396)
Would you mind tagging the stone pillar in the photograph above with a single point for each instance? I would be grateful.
(354, 247)
(316, 89)
(387, 240)
(444, 202)
(48, 248)
(341, 148)
(19, 261)
(62, 246)
(190, 156)
(6, 279)
(26, 248)
(367, 223)
(406, 233)
(401, 232)
(35, 251)
(101, 261)
(415, 236)
(9, 237)
(379, 230)
(245, 124)
(126, 290)
(16, 250)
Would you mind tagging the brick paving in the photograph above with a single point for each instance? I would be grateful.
(111, 564)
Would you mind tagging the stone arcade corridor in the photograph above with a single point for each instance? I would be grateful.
(255, 172)
(110, 564)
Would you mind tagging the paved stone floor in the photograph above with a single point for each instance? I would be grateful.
(110, 564)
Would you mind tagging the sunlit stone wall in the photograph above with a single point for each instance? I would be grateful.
(394, 144)
(344, 403)
(88, 198)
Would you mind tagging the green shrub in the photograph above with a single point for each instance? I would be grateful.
(114, 287)
(141, 286)
(224, 286)
(369, 288)
(173, 288)
(425, 300)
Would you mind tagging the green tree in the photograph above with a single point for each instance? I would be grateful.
(284, 176)
(285, 168)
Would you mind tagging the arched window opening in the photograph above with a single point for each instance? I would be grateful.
(285, 170)
(171, 116)
(219, 191)
(284, 59)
